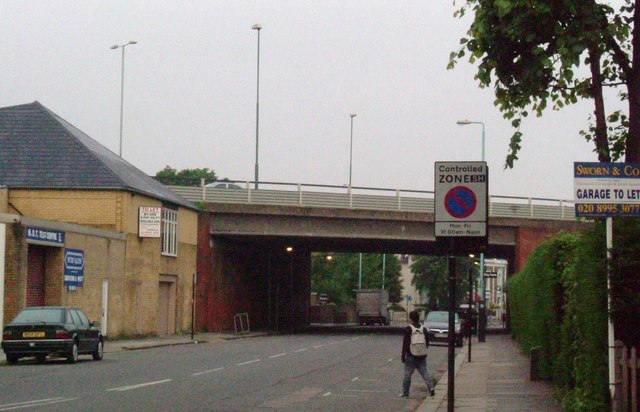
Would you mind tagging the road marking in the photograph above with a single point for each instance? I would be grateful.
(390, 360)
(208, 371)
(248, 362)
(354, 379)
(318, 346)
(364, 390)
(326, 394)
(333, 343)
(300, 350)
(277, 356)
(30, 404)
(138, 386)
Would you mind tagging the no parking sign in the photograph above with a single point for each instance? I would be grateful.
(461, 199)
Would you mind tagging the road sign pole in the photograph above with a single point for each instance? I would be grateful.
(452, 335)
(469, 317)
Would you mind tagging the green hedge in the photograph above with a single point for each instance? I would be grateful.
(559, 303)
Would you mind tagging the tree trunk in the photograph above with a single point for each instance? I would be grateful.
(600, 136)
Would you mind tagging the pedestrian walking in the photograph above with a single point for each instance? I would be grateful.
(414, 353)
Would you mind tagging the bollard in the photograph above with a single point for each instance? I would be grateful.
(534, 370)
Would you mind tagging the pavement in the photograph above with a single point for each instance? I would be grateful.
(496, 379)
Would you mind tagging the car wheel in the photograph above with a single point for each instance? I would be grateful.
(12, 358)
(41, 358)
(99, 352)
(72, 356)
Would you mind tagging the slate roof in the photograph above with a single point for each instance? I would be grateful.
(41, 150)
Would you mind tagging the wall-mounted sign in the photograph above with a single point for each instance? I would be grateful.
(461, 199)
(149, 221)
(45, 237)
(73, 267)
(606, 189)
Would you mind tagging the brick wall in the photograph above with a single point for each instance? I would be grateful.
(93, 208)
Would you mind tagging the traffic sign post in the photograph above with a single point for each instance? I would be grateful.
(461, 209)
(461, 199)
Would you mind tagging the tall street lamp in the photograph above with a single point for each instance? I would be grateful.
(465, 123)
(352, 115)
(257, 27)
(122, 46)
(351, 149)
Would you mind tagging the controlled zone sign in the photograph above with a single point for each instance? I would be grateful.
(461, 199)
(606, 189)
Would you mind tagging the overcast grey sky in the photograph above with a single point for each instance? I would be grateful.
(190, 90)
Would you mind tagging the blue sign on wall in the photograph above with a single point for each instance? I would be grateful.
(45, 236)
(73, 267)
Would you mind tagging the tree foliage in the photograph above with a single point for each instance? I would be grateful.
(185, 177)
(338, 276)
(551, 53)
(431, 275)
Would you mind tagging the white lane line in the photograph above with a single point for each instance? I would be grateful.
(390, 360)
(278, 355)
(208, 371)
(300, 350)
(138, 386)
(364, 390)
(344, 395)
(356, 338)
(318, 346)
(31, 404)
(326, 394)
(355, 379)
(333, 343)
(248, 362)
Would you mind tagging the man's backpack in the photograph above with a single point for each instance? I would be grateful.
(418, 346)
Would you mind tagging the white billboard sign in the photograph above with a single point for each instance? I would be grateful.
(149, 221)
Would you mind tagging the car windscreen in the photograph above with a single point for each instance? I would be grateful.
(48, 315)
(441, 317)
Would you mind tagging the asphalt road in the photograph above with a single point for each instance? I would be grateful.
(308, 372)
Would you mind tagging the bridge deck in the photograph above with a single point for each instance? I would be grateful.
(324, 196)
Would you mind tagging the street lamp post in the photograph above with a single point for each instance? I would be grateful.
(482, 298)
(122, 46)
(352, 115)
(257, 27)
(351, 150)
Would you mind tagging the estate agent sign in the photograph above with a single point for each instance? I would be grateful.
(149, 221)
(607, 189)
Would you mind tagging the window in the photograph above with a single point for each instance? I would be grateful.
(169, 232)
(39, 315)
(84, 320)
(76, 318)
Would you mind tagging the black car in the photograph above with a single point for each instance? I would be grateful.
(52, 330)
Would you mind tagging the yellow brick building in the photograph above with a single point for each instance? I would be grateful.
(83, 227)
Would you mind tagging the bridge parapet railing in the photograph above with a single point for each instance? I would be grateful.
(366, 198)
